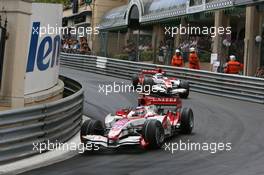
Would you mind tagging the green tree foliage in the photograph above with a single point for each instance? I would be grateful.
(64, 2)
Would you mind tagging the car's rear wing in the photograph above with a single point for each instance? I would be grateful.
(153, 71)
(159, 101)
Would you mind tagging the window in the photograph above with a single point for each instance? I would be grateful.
(80, 19)
(75, 7)
(196, 2)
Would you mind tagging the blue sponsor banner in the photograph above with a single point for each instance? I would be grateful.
(39, 51)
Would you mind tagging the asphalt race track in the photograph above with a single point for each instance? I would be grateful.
(217, 120)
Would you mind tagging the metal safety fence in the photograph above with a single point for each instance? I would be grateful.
(233, 86)
(54, 122)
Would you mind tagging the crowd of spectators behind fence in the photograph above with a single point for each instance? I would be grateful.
(80, 46)
(166, 49)
(201, 43)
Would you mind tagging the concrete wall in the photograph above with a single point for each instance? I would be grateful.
(12, 91)
(18, 15)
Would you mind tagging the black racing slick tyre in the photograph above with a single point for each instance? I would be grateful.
(135, 80)
(187, 121)
(153, 133)
(185, 85)
(148, 83)
(92, 127)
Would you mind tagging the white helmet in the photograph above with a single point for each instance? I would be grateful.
(232, 57)
(178, 51)
(159, 76)
(192, 49)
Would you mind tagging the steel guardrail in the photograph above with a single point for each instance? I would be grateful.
(219, 84)
(55, 122)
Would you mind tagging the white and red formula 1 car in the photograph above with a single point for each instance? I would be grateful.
(147, 125)
(160, 84)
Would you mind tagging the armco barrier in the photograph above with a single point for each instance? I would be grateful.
(233, 86)
(55, 122)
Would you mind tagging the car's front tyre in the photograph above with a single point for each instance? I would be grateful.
(91, 127)
(153, 134)
(185, 85)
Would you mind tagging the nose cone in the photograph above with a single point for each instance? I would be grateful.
(168, 84)
(114, 134)
(117, 129)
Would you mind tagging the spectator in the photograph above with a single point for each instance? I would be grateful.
(132, 53)
(66, 45)
(185, 48)
(260, 72)
(162, 52)
(194, 62)
(233, 66)
(85, 49)
(76, 45)
(177, 59)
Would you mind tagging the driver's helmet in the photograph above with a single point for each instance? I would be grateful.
(159, 76)
(139, 112)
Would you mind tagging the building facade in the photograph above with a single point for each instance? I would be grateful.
(80, 14)
(150, 23)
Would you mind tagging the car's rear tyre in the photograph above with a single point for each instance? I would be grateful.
(187, 121)
(135, 80)
(185, 85)
(153, 133)
(92, 127)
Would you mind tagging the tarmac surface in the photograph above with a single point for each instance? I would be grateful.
(217, 121)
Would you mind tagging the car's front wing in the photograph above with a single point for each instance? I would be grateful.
(108, 143)
(166, 91)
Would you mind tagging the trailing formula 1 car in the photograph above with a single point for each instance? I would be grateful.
(161, 85)
(147, 125)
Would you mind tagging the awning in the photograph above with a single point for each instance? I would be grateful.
(155, 10)
(155, 6)
(115, 18)
(77, 15)
(247, 2)
(165, 11)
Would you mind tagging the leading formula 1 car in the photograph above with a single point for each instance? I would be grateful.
(160, 84)
(147, 125)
